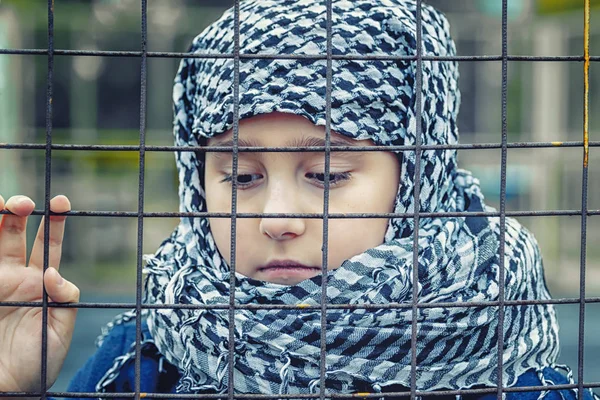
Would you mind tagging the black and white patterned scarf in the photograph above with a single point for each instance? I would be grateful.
(278, 351)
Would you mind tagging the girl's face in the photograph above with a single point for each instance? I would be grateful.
(289, 250)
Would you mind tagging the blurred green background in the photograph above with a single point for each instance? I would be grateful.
(96, 101)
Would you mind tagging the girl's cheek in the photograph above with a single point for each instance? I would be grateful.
(218, 196)
(221, 233)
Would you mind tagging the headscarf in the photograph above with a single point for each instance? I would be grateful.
(277, 351)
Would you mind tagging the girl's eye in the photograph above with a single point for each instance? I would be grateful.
(243, 180)
(335, 178)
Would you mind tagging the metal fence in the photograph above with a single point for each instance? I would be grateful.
(143, 150)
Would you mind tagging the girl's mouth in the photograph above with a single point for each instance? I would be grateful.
(287, 272)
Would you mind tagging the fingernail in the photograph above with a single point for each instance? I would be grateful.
(23, 199)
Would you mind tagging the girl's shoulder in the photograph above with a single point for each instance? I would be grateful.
(112, 367)
(544, 377)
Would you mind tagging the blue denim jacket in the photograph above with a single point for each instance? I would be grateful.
(158, 376)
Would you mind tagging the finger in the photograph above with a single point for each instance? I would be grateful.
(59, 204)
(13, 242)
(59, 289)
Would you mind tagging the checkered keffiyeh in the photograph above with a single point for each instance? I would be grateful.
(278, 351)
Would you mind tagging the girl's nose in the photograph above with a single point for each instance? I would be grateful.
(280, 201)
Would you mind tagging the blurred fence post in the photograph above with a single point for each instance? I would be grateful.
(10, 101)
(548, 125)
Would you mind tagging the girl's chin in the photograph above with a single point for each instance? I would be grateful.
(286, 275)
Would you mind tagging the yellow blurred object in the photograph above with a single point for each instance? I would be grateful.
(559, 6)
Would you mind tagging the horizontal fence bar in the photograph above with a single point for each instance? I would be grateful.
(316, 57)
(481, 391)
(302, 307)
(174, 214)
(245, 149)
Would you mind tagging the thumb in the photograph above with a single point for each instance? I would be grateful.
(60, 319)
(59, 289)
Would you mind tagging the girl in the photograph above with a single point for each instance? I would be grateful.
(280, 261)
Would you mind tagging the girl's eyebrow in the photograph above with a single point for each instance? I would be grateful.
(304, 142)
(307, 141)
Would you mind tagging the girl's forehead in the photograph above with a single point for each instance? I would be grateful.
(278, 129)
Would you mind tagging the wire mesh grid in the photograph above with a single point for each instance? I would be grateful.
(504, 145)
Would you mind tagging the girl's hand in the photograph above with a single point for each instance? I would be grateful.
(21, 327)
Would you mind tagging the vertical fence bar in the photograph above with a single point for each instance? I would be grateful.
(328, 89)
(140, 211)
(234, 188)
(584, 198)
(47, 195)
(417, 203)
(504, 150)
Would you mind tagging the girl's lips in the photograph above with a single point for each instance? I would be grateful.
(286, 271)
(283, 264)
